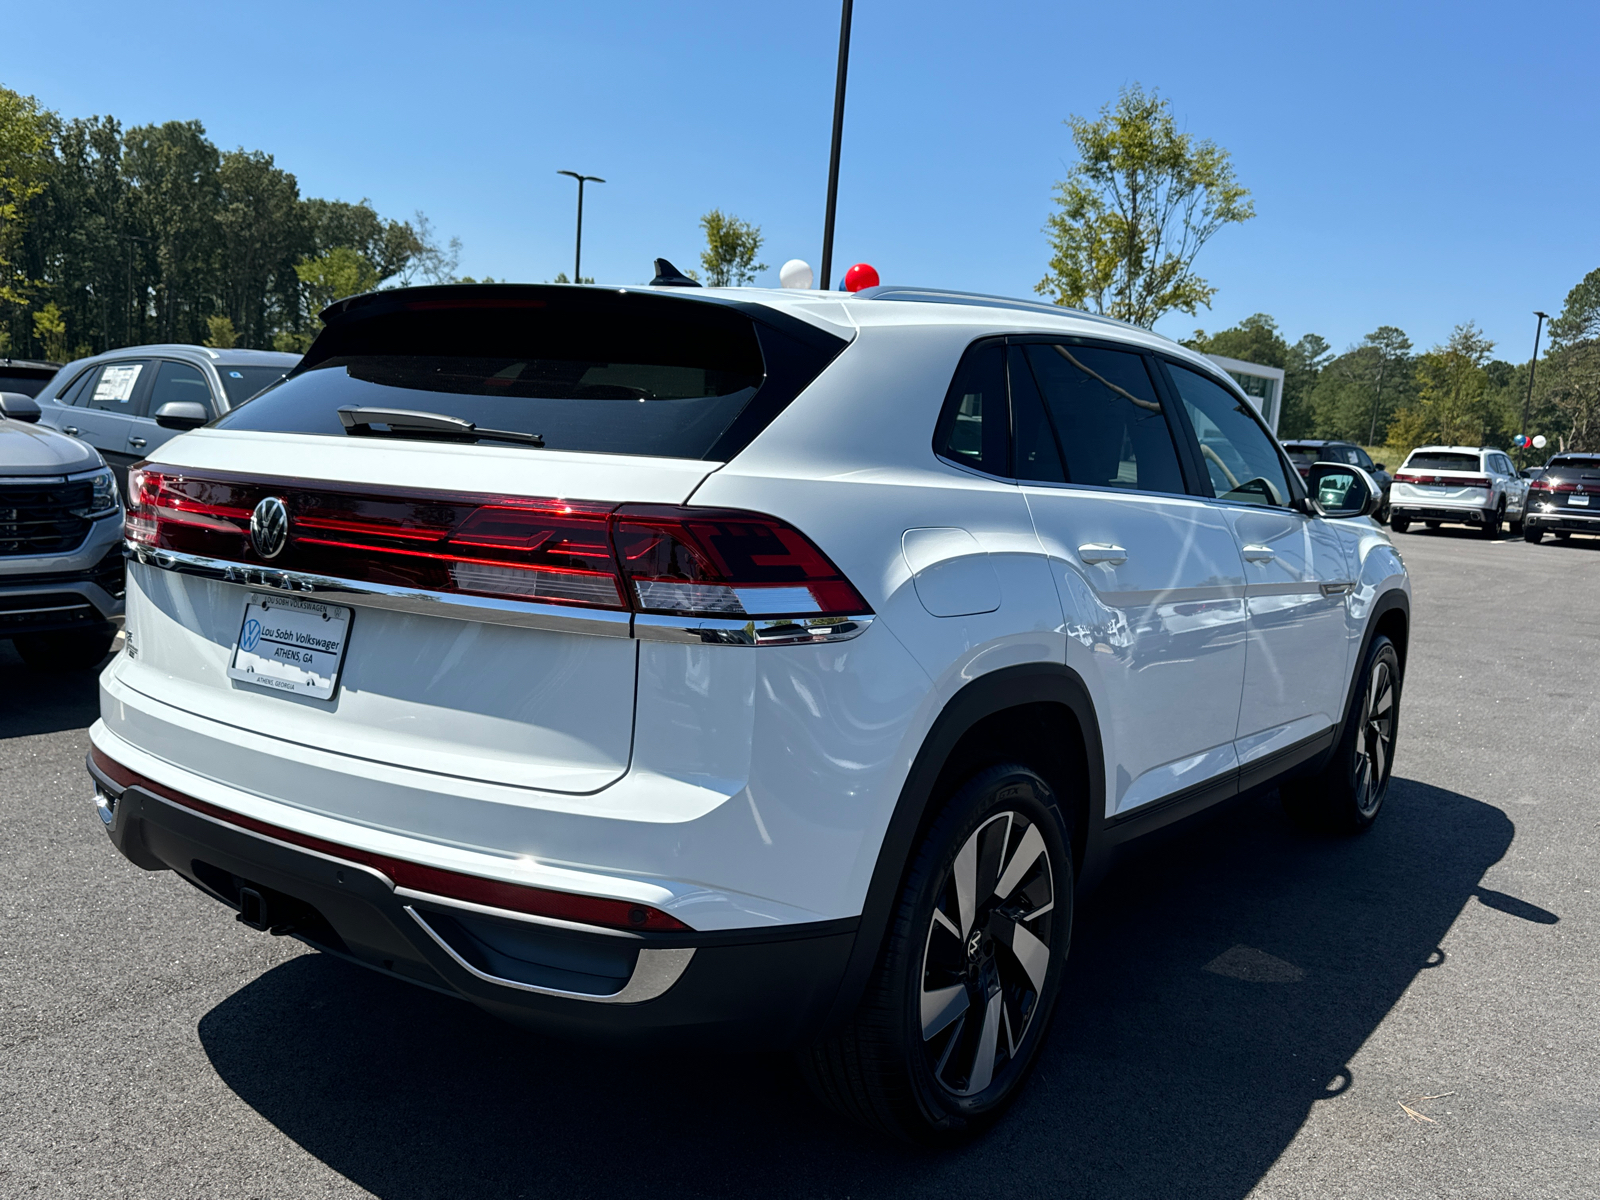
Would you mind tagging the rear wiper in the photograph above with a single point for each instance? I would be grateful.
(361, 422)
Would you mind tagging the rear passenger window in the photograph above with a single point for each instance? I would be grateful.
(974, 428)
(1240, 456)
(116, 389)
(78, 392)
(1100, 420)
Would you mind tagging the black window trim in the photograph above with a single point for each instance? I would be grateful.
(1009, 474)
(212, 385)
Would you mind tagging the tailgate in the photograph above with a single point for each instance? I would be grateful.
(516, 689)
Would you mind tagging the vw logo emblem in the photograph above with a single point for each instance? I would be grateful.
(269, 527)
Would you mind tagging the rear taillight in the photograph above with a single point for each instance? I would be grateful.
(711, 562)
(670, 560)
(1476, 481)
(1538, 485)
(1410, 477)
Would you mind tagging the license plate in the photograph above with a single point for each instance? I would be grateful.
(1580, 501)
(291, 645)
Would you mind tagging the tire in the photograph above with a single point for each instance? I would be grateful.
(912, 1061)
(1491, 526)
(1531, 533)
(68, 650)
(1399, 524)
(1514, 528)
(1560, 535)
(1346, 795)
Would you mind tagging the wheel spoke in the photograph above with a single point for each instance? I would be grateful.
(1033, 954)
(938, 916)
(1028, 853)
(966, 877)
(940, 1007)
(988, 1038)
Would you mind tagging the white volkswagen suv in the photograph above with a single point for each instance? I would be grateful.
(765, 667)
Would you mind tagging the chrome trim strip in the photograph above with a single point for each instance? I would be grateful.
(512, 915)
(525, 613)
(785, 631)
(653, 973)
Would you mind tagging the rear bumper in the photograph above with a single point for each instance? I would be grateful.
(766, 989)
(1412, 511)
(1565, 519)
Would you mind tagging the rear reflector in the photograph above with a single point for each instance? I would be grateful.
(453, 885)
(676, 560)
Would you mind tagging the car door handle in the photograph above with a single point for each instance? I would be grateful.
(70, 430)
(1259, 553)
(1102, 552)
(136, 442)
(1337, 589)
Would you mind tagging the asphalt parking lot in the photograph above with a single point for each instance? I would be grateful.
(1251, 1011)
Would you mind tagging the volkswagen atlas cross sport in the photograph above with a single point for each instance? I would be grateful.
(760, 667)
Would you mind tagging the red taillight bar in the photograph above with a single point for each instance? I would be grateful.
(452, 885)
(1471, 481)
(658, 559)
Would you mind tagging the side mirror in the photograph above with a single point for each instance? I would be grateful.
(1344, 491)
(182, 414)
(1380, 466)
(14, 406)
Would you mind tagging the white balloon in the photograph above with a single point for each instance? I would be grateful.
(796, 273)
(1539, 442)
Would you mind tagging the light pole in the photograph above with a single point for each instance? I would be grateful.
(577, 255)
(1532, 364)
(838, 136)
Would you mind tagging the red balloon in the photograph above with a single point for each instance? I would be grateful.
(862, 275)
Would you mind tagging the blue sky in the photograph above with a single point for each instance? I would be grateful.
(1412, 164)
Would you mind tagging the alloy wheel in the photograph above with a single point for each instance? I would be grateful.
(986, 954)
(1375, 739)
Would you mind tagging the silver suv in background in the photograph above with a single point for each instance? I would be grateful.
(61, 572)
(1458, 485)
(126, 403)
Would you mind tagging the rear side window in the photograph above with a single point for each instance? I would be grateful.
(1103, 416)
(116, 388)
(974, 427)
(598, 371)
(1441, 460)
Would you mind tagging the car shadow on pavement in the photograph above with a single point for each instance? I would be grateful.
(1220, 983)
(44, 701)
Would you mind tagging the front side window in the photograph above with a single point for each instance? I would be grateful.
(1102, 419)
(973, 428)
(1240, 456)
(179, 381)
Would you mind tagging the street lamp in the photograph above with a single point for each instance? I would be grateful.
(577, 256)
(838, 137)
(1532, 365)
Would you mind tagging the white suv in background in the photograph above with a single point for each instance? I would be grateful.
(765, 668)
(1458, 485)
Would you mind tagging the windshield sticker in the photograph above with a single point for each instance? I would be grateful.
(116, 383)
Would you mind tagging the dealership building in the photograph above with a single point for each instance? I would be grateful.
(1264, 386)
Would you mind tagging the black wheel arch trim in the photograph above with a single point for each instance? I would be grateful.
(1391, 600)
(1009, 687)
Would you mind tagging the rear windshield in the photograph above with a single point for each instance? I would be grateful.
(243, 382)
(1297, 448)
(608, 372)
(1574, 462)
(28, 385)
(1435, 460)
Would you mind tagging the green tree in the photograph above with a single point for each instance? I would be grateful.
(732, 246)
(262, 232)
(1454, 403)
(24, 142)
(174, 170)
(1255, 339)
(1135, 212)
(220, 334)
(330, 276)
(1302, 367)
(1358, 393)
(50, 330)
(1569, 385)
